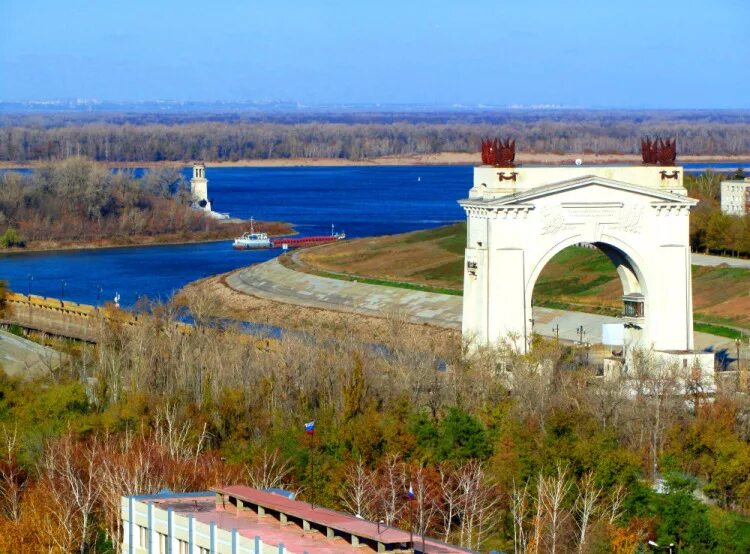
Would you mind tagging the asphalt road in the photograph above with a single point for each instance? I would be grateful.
(705, 259)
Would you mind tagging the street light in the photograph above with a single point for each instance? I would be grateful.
(62, 290)
(581, 332)
(738, 342)
(28, 289)
(671, 549)
(99, 290)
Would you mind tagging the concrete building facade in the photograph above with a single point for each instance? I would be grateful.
(243, 520)
(735, 196)
(518, 218)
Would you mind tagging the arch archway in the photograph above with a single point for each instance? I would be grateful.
(641, 224)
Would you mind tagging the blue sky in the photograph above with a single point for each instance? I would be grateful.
(603, 53)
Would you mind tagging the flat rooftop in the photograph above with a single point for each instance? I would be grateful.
(298, 525)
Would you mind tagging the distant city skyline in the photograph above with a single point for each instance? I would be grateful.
(578, 54)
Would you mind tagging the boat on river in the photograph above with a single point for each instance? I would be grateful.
(285, 243)
(252, 240)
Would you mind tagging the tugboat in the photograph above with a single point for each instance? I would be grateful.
(252, 240)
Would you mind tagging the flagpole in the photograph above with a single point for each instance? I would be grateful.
(410, 500)
(411, 524)
(310, 430)
(312, 469)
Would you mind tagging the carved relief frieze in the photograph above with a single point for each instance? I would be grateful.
(552, 220)
(631, 218)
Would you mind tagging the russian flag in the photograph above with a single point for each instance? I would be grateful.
(410, 494)
(310, 427)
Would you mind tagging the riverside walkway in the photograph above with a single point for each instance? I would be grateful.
(273, 281)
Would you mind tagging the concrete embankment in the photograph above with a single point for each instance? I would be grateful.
(85, 322)
(272, 281)
(22, 357)
(61, 318)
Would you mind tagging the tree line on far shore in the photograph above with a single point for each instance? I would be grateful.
(154, 139)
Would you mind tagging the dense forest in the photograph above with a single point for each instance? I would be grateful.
(536, 455)
(77, 200)
(216, 137)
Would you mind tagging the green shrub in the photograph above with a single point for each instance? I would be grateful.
(11, 238)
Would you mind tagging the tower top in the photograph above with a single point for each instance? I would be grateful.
(199, 170)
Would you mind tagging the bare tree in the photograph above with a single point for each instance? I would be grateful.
(451, 497)
(358, 490)
(269, 470)
(391, 488)
(479, 505)
(73, 474)
(586, 507)
(519, 507)
(554, 491)
(12, 476)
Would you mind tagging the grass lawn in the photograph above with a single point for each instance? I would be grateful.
(577, 278)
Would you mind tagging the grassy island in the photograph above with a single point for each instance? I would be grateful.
(77, 203)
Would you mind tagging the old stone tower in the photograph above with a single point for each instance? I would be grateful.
(199, 187)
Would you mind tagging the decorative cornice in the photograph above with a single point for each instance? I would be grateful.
(670, 208)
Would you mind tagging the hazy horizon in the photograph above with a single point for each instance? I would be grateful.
(672, 55)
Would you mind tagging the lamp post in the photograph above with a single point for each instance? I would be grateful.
(556, 330)
(669, 548)
(28, 288)
(99, 290)
(62, 290)
(738, 342)
(581, 332)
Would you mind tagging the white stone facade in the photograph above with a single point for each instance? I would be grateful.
(519, 218)
(149, 529)
(199, 188)
(735, 197)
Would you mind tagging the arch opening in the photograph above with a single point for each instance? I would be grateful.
(577, 287)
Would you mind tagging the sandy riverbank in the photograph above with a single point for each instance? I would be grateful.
(442, 158)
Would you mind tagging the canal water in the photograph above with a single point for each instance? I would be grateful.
(361, 201)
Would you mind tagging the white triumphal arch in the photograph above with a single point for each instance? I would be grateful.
(519, 217)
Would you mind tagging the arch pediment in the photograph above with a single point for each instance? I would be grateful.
(562, 189)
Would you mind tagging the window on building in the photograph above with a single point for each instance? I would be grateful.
(202, 550)
(162, 548)
(142, 536)
(633, 306)
(183, 547)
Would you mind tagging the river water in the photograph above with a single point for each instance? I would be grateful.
(362, 201)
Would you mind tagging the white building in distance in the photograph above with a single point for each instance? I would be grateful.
(735, 196)
(199, 188)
